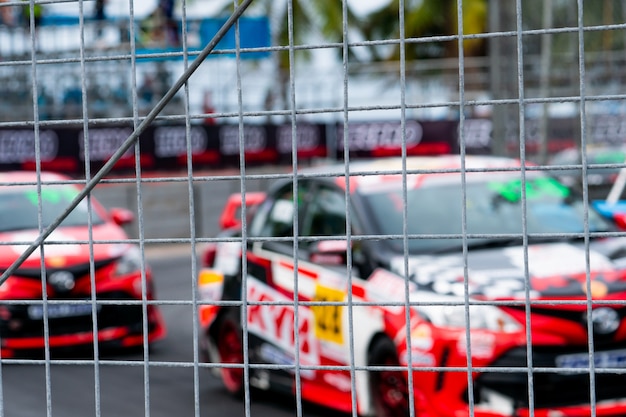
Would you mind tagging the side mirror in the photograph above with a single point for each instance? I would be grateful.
(231, 215)
(121, 216)
(329, 252)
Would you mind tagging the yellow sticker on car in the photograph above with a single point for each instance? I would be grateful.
(328, 317)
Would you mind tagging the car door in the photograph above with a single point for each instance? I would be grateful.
(271, 318)
(282, 280)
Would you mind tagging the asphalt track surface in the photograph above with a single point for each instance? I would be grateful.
(122, 391)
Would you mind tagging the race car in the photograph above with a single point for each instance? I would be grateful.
(447, 285)
(89, 284)
(601, 176)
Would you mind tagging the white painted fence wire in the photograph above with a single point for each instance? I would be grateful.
(527, 80)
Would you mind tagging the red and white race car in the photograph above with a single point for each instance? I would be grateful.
(89, 246)
(499, 289)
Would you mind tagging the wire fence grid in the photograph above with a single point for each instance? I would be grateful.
(517, 77)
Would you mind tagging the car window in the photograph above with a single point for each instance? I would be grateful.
(493, 206)
(19, 207)
(326, 214)
(275, 217)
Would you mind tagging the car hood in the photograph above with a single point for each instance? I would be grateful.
(554, 270)
(71, 249)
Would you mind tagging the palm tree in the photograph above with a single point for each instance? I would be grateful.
(426, 18)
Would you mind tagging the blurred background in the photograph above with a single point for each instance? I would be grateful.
(537, 82)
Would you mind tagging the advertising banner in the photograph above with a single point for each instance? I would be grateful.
(164, 147)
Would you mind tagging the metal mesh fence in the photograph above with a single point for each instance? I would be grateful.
(298, 109)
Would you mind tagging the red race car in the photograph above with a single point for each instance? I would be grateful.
(455, 289)
(88, 248)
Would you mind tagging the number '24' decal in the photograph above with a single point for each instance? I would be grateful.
(328, 318)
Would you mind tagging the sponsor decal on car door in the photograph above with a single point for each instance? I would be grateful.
(272, 317)
(320, 326)
(318, 286)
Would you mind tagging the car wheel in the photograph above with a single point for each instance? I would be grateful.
(388, 388)
(230, 348)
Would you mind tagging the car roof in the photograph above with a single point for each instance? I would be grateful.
(11, 177)
(390, 169)
(591, 150)
(416, 163)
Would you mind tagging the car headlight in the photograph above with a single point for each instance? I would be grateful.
(129, 262)
(480, 317)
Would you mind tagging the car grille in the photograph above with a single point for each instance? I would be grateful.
(551, 389)
(78, 271)
(109, 315)
(575, 316)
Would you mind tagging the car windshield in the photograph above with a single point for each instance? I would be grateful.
(19, 207)
(493, 206)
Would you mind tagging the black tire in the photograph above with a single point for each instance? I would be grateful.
(230, 347)
(388, 388)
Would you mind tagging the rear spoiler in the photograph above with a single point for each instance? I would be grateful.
(615, 211)
(231, 215)
(613, 207)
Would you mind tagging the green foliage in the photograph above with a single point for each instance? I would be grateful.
(596, 13)
(424, 19)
